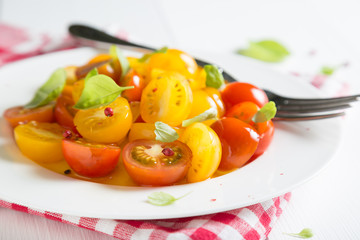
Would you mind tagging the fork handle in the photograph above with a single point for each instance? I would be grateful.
(90, 35)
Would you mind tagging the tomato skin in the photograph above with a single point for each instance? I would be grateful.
(90, 160)
(239, 141)
(110, 69)
(64, 113)
(132, 78)
(158, 174)
(41, 142)
(238, 92)
(18, 115)
(245, 112)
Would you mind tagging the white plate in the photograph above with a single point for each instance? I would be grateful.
(298, 152)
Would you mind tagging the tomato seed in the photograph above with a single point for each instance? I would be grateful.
(109, 112)
(168, 152)
(67, 134)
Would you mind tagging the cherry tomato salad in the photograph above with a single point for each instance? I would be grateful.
(161, 117)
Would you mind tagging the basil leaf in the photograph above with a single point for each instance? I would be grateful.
(99, 90)
(117, 54)
(165, 133)
(214, 77)
(162, 198)
(49, 90)
(266, 113)
(266, 50)
(305, 233)
(90, 74)
(207, 115)
(148, 55)
(326, 70)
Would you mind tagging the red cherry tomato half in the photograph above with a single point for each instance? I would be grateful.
(64, 113)
(154, 163)
(90, 159)
(245, 112)
(239, 141)
(19, 115)
(238, 92)
(132, 78)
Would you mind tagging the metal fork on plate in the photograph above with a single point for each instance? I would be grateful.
(289, 109)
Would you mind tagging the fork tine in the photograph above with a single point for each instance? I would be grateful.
(311, 108)
(299, 117)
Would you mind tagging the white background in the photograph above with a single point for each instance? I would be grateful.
(328, 204)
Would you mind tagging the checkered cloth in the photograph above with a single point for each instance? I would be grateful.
(251, 223)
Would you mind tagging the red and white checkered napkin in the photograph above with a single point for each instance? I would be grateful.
(251, 223)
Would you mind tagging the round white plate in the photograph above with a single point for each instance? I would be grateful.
(298, 152)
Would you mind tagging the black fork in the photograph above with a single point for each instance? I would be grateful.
(289, 109)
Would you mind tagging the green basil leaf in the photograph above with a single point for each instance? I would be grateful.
(90, 74)
(165, 133)
(305, 233)
(148, 55)
(162, 198)
(207, 115)
(266, 113)
(266, 50)
(326, 70)
(214, 77)
(99, 90)
(50, 90)
(117, 54)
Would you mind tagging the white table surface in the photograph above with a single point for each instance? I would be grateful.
(329, 204)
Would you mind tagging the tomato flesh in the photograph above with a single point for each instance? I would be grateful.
(134, 79)
(64, 113)
(90, 159)
(147, 165)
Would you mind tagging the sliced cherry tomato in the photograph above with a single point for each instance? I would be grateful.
(198, 81)
(78, 87)
(64, 113)
(154, 163)
(94, 125)
(71, 77)
(90, 159)
(216, 96)
(201, 102)
(110, 68)
(41, 142)
(19, 115)
(135, 110)
(132, 78)
(140, 67)
(206, 148)
(239, 141)
(167, 98)
(245, 111)
(238, 92)
(146, 131)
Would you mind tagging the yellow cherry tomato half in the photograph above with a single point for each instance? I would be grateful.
(95, 125)
(201, 102)
(216, 96)
(77, 90)
(206, 148)
(167, 98)
(41, 142)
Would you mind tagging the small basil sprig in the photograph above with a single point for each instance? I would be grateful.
(214, 77)
(165, 133)
(99, 90)
(326, 70)
(117, 54)
(162, 198)
(148, 55)
(305, 233)
(50, 90)
(266, 113)
(266, 50)
(90, 74)
(207, 115)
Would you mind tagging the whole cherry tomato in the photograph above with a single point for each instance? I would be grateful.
(132, 78)
(238, 92)
(154, 163)
(239, 141)
(19, 115)
(90, 159)
(245, 111)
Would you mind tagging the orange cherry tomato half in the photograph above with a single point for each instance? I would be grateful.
(154, 163)
(19, 115)
(238, 140)
(245, 112)
(132, 78)
(64, 113)
(238, 92)
(90, 159)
